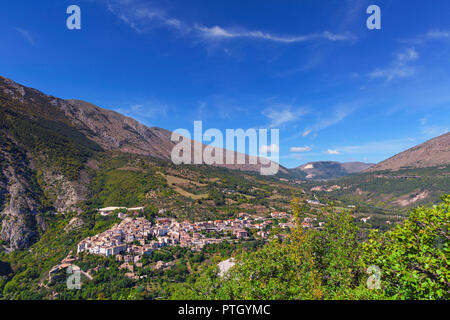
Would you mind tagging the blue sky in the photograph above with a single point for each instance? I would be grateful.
(336, 90)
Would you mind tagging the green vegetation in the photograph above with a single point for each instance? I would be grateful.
(414, 257)
(54, 144)
(391, 191)
(30, 267)
(123, 187)
(327, 263)
(332, 264)
(196, 193)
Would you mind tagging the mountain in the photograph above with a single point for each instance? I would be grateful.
(51, 148)
(107, 128)
(417, 176)
(326, 170)
(432, 153)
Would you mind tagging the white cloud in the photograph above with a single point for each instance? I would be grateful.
(220, 106)
(407, 56)
(336, 116)
(300, 149)
(400, 68)
(218, 33)
(431, 130)
(380, 150)
(282, 114)
(272, 148)
(141, 16)
(145, 112)
(392, 73)
(424, 120)
(26, 35)
(437, 34)
(382, 147)
(332, 152)
(429, 36)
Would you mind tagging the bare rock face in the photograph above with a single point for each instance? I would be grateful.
(74, 224)
(20, 216)
(18, 207)
(114, 131)
(27, 174)
(65, 194)
(19, 213)
(18, 232)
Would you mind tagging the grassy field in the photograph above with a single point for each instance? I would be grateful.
(175, 182)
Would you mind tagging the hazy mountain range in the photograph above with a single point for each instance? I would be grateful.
(324, 170)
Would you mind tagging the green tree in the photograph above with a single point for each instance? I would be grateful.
(414, 257)
(337, 252)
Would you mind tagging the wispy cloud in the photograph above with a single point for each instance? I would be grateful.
(400, 68)
(142, 16)
(435, 34)
(336, 116)
(282, 114)
(300, 149)
(26, 35)
(432, 130)
(219, 33)
(218, 106)
(383, 147)
(145, 112)
(407, 56)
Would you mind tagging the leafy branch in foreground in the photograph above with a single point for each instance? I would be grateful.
(414, 257)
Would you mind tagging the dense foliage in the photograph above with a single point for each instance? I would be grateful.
(414, 257)
(55, 144)
(413, 260)
(394, 191)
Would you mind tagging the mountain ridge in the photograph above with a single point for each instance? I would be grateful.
(431, 153)
(326, 170)
(108, 128)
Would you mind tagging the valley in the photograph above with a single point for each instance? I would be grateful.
(63, 160)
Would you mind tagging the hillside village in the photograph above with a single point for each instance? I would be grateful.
(135, 237)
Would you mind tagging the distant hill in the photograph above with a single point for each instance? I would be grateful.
(326, 170)
(417, 176)
(432, 153)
